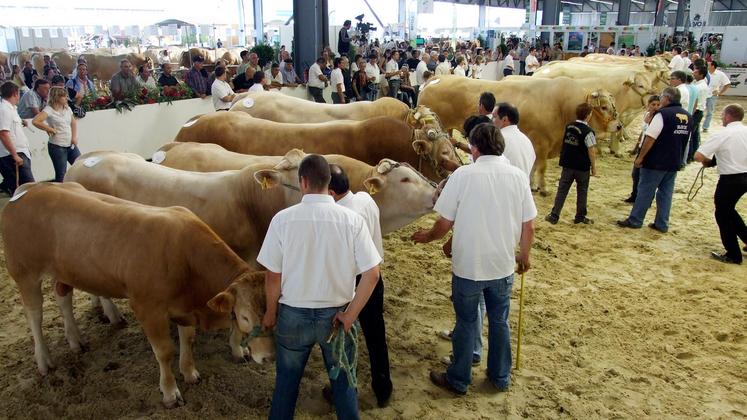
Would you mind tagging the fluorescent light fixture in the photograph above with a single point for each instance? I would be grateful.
(571, 2)
(608, 3)
(638, 2)
(673, 2)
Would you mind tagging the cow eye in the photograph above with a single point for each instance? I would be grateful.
(405, 180)
(604, 108)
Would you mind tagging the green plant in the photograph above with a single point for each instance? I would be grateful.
(264, 52)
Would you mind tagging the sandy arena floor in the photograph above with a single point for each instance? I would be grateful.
(618, 323)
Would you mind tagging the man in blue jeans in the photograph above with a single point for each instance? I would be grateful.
(308, 287)
(659, 159)
(483, 253)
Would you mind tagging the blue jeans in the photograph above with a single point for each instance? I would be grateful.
(296, 333)
(653, 182)
(61, 156)
(466, 299)
(8, 170)
(710, 108)
(477, 352)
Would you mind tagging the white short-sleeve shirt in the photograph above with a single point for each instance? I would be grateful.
(677, 63)
(654, 128)
(719, 79)
(730, 148)
(684, 95)
(518, 149)
(10, 121)
(419, 71)
(373, 71)
(219, 90)
(318, 247)
(336, 79)
(257, 87)
(459, 71)
(276, 79)
(488, 202)
(704, 93)
(443, 68)
(362, 203)
(61, 121)
(532, 64)
(314, 72)
(392, 66)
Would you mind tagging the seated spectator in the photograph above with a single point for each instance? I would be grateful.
(49, 64)
(124, 83)
(220, 63)
(275, 77)
(221, 91)
(290, 77)
(58, 121)
(49, 74)
(167, 79)
(81, 60)
(244, 62)
(197, 78)
(242, 82)
(58, 81)
(80, 86)
(145, 78)
(33, 101)
(259, 84)
(254, 62)
(17, 78)
(163, 58)
(29, 75)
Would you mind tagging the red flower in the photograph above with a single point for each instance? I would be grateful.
(151, 101)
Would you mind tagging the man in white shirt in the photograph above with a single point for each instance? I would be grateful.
(728, 150)
(317, 80)
(518, 148)
(337, 81)
(686, 59)
(531, 63)
(719, 84)
(421, 69)
(372, 315)
(678, 80)
(484, 255)
(221, 91)
(392, 73)
(373, 72)
(312, 252)
(703, 93)
(15, 155)
(508, 64)
(611, 49)
(275, 77)
(677, 64)
(444, 67)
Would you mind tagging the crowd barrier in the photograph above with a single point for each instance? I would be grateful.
(141, 131)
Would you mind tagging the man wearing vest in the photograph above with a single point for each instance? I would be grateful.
(660, 159)
(579, 160)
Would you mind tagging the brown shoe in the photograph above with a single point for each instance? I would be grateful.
(439, 379)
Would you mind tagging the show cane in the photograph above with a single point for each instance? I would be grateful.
(521, 328)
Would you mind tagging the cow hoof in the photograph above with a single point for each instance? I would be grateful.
(192, 378)
(244, 356)
(175, 402)
(45, 368)
(544, 193)
(120, 324)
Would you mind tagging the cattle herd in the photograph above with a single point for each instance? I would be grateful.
(178, 236)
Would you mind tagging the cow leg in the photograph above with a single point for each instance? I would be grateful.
(156, 328)
(186, 356)
(615, 140)
(64, 296)
(112, 313)
(32, 299)
(540, 167)
(239, 352)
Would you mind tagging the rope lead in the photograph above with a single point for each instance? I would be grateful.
(340, 361)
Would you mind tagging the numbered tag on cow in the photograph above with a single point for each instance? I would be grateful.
(190, 123)
(91, 161)
(248, 102)
(159, 157)
(17, 195)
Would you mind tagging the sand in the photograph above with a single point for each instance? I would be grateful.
(618, 323)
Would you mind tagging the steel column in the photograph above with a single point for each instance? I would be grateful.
(309, 32)
(259, 25)
(623, 15)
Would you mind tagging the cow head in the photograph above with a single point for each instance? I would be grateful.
(283, 174)
(436, 150)
(402, 193)
(640, 83)
(244, 298)
(604, 112)
(423, 118)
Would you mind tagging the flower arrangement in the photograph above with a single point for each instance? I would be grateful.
(166, 94)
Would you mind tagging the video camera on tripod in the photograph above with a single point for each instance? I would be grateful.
(363, 29)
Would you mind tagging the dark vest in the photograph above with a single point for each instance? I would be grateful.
(575, 154)
(669, 148)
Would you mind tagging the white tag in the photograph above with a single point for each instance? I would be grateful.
(435, 82)
(91, 161)
(159, 157)
(18, 195)
(248, 103)
(190, 123)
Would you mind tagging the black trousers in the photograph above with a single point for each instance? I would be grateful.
(8, 171)
(567, 177)
(316, 93)
(636, 175)
(729, 190)
(371, 319)
(508, 72)
(695, 135)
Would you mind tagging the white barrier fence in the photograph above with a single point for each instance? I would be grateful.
(141, 131)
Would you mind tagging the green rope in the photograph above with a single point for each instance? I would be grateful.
(340, 361)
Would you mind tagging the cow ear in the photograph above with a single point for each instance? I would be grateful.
(267, 178)
(224, 301)
(374, 184)
(291, 160)
(422, 147)
(630, 81)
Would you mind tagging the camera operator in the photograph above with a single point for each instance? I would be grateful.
(343, 40)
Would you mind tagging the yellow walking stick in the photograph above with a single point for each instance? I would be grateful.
(521, 329)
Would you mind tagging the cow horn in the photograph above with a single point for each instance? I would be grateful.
(385, 166)
(594, 95)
